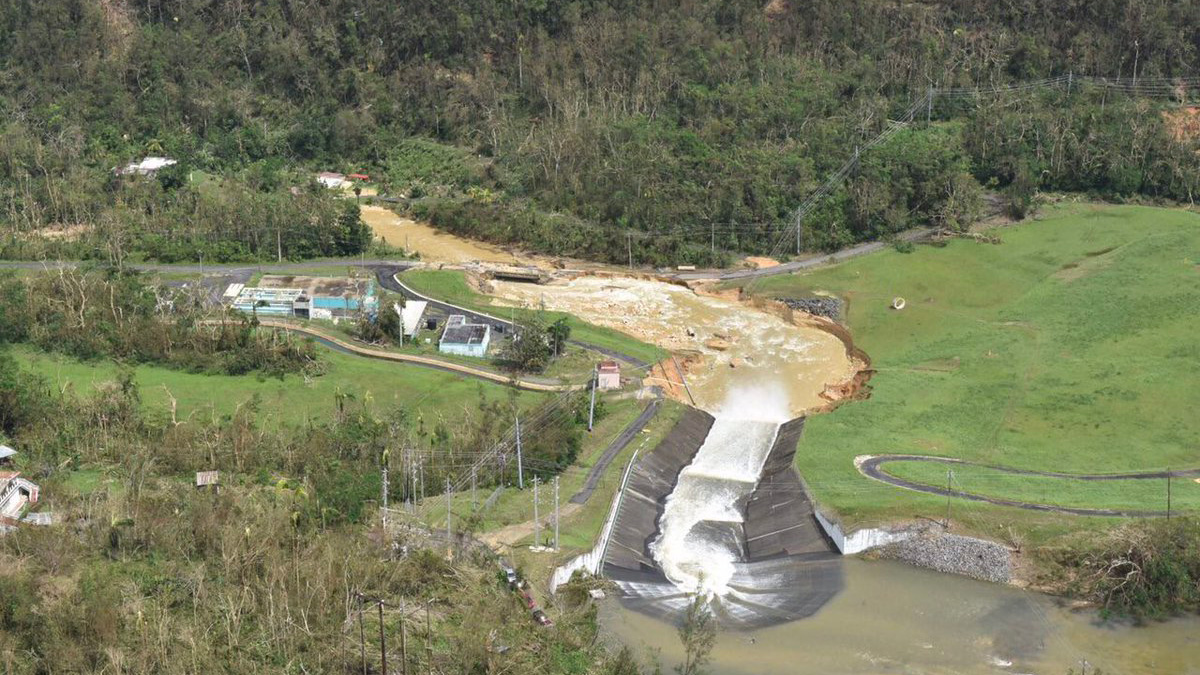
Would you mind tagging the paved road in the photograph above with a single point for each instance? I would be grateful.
(798, 265)
(610, 453)
(338, 344)
(871, 468)
(398, 265)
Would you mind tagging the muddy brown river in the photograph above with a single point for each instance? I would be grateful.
(432, 245)
(892, 618)
(740, 347)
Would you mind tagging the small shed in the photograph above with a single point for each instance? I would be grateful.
(608, 375)
(465, 339)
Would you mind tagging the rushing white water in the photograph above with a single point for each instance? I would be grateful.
(701, 524)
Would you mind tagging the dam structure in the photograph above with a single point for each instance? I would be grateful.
(717, 509)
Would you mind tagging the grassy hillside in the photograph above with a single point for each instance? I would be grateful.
(290, 399)
(1073, 345)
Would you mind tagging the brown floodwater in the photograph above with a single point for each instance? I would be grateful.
(741, 347)
(433, 246)
(892, 618)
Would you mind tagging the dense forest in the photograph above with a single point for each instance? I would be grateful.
(674, 129)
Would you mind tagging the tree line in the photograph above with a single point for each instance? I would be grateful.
(114, 314)
(683, 127)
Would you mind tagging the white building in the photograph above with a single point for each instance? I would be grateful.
(465, 339)
(15, 494)
(332, 180)
(147, 167)
(608, 375)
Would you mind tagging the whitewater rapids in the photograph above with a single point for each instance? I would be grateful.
(701, 527)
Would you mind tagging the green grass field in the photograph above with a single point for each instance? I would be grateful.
(1072, 346)
(450, 286)
(1132, 494)
(288, 400)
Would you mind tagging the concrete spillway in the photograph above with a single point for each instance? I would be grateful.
(731, 522)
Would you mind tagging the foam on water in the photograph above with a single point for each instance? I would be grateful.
(699, 544)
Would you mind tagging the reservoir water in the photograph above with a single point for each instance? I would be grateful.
(893, 618)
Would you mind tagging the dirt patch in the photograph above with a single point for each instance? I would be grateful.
(62, 232)
(1183, 124)
(776, 9)
(1090, 264)
(761, 263)
(939, 365)
(432, 245)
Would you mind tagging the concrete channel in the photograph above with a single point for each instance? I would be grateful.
(789, 569)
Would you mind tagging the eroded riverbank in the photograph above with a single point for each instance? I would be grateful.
(723, 342)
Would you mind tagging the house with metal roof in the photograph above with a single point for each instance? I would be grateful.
(465, 339)
(16, 493)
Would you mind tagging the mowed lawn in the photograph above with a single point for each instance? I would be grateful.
(1073, 346)
(291, 399)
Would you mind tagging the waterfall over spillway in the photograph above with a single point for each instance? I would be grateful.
(701, 526)
(716, 508)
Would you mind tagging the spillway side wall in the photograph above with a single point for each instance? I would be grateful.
(651, 482)
(779, 516)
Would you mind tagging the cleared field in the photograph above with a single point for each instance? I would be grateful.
(1073, 346)
(450, 286)
(287, 400)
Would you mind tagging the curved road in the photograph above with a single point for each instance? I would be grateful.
(340, 345)
(871, 467)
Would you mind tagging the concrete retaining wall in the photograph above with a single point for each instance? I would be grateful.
(861, 540)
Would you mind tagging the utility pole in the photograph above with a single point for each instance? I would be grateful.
(592, 409)
(403, 642)
(556, 512)
(384, 496)
(537, 529)
(1070, 81)
(712, 228)
(428, 638)
(474, 503)
(1168, 493)
(362, 635)
(382, 639)
(448, 513)
(929, 106)
(412, 466)
(949, 477)
(629, 246)
(798, 225)
(520, 469)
